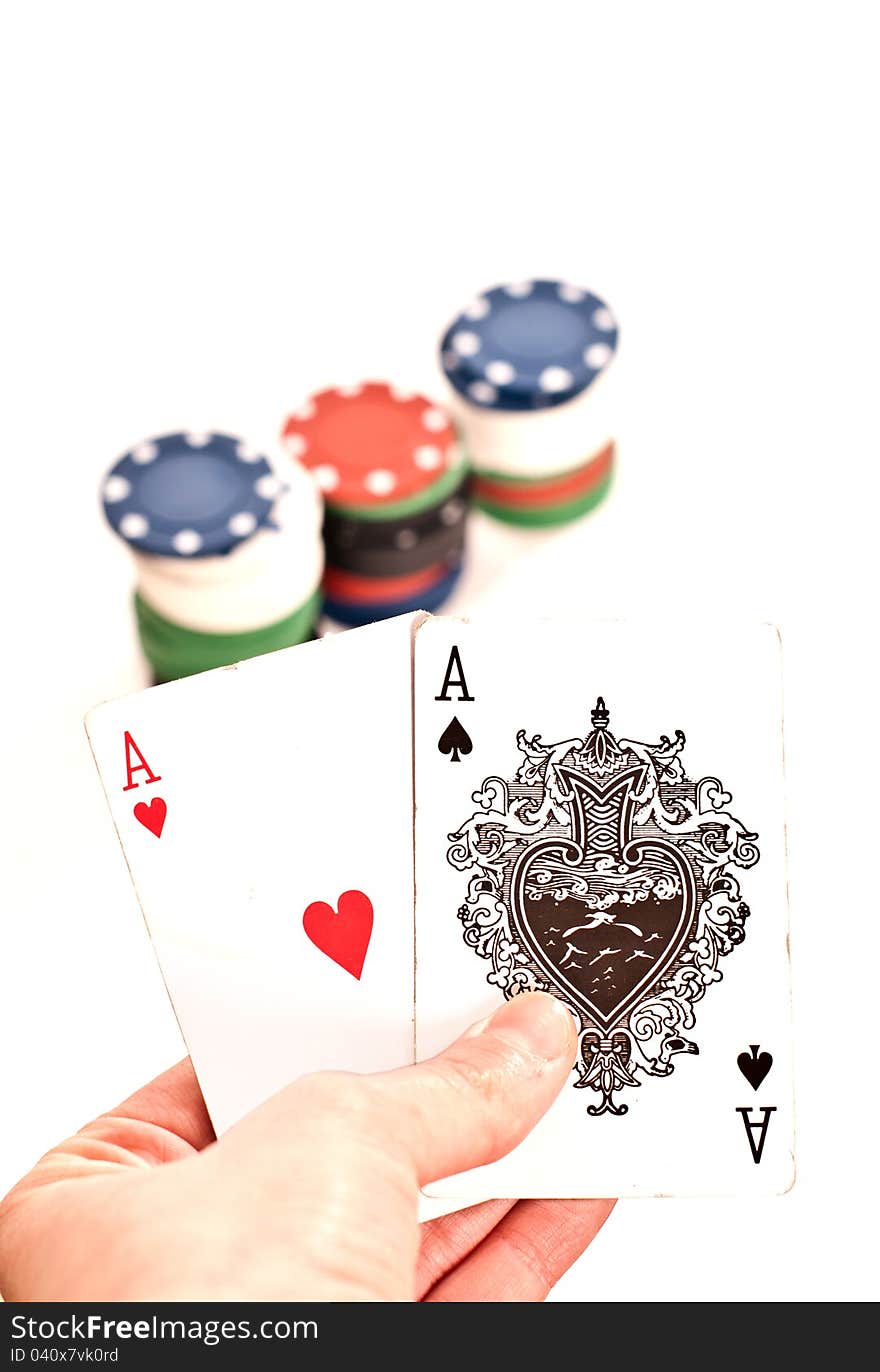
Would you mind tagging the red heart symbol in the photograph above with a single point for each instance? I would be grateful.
(343, 936)
(152, 816)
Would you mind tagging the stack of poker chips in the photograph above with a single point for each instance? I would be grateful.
(526, 364)
(228, 558)
(394, 486)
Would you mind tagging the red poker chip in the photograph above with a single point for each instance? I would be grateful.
(349, 586)
(371, 444)
(555, 491)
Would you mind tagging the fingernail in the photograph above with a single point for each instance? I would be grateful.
(534, 1023)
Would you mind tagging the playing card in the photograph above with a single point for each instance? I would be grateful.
(599, 813)
(265, 812)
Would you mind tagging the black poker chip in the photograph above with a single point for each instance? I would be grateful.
(442, 545)
(388, 548)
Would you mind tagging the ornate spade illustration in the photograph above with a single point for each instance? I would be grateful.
(604, 875)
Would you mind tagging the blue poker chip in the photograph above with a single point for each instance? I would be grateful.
(528, 346)
(355, 614)
(189, 495)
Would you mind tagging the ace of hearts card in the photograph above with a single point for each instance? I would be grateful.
(265, 813)
(599, 814)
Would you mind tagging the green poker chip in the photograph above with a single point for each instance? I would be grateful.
(545, 516)
(414, 504)
(174, 651)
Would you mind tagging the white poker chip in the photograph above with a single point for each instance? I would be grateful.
(539, 443)
(241, 605)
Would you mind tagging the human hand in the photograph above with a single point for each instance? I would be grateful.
(313, 1196)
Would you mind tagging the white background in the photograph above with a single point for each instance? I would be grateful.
(212, 209)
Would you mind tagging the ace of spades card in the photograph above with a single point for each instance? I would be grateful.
(599, 814)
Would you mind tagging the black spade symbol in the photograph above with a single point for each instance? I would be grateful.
(455, 741)
(754, 1065)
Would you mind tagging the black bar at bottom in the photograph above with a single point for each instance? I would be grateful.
(256, 1335)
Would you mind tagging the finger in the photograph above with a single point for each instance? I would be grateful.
(479, 1098)
(448, 1239)
(172, 1101)
(524, 1256)
(164, 1121)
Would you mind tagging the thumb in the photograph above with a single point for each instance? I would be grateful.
(479, 1098)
